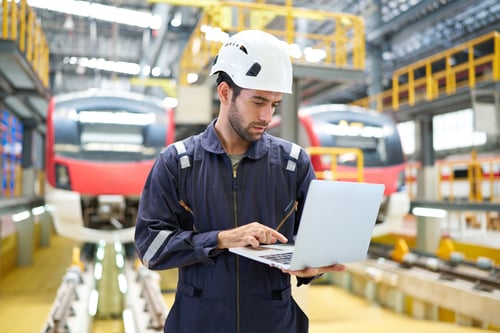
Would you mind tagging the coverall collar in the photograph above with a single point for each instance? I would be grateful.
(210, 142)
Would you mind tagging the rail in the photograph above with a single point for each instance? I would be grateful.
(155, 305)
(465, 291)
(482, 273)
(343, 46)
(337, 172)
(19, 24)
(62, 306)
(440, 74)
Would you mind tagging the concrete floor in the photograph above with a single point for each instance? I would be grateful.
(27, 293)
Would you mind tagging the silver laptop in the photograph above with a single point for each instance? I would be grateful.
(336, 227)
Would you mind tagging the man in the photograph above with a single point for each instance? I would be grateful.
(230, 186)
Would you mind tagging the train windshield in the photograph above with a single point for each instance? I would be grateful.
(376, 136)
(108, 133)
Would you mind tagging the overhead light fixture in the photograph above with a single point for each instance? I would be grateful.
(428, 212)
(21, 216)
(38, 210)
(69, 24)
(176, 20)
(314, 55)
(192, 78)
(108, 65)
(214, 34)
(97, 11)
(121, 118)
(170, 102)
(295, 51)
(156, 71)
(146, 70)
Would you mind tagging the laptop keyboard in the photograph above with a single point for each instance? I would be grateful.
(284, 258)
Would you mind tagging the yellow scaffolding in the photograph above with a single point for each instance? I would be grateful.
(433, 84)
(19, 24)
(335, 173)
(343, 48)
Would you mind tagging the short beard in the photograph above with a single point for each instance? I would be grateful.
(236, 123)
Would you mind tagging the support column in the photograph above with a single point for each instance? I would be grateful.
(28, 172)
(374, 53)
(428, 228)
(45, 220)
(289, 114)
(24, 233)
(375, 79)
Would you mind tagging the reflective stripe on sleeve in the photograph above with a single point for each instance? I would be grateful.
(155, 246)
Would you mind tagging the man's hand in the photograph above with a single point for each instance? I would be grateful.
(309, 272)
(252, 234)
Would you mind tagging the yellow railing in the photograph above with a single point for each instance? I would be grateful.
(474, 179)
(411, 172)
(335, 173)
(19, 24)
(424, 83)
(343, 48)
(480, 179)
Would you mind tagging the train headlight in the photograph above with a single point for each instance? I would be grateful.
(62, 177)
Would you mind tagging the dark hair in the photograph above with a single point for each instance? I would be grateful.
(224, 77)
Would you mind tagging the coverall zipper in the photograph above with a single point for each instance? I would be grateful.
(235, 210)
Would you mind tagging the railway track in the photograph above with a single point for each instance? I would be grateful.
(483, 274)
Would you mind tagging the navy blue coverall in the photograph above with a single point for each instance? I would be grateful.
(183, 209)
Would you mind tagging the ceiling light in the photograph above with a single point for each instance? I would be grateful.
(192, 78)
(156, 71)
(100, 12)
(295, 51)
(428, 212)
(176, 20)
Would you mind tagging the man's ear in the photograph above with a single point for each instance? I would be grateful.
(225, 93)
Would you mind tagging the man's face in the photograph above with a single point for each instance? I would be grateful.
(251, 112)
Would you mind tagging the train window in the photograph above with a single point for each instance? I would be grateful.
(110, 140)
(154, 135)
(346, 127)
(66, 132)
(369, 138)
(106, 134)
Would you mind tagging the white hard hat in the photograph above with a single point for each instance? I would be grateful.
(256, 60)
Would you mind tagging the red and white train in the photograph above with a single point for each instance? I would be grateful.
(349, 129)
(100, 148)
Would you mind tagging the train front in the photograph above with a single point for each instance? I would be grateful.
(100, 148)
(376, 137)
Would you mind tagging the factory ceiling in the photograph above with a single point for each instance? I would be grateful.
(103, 43)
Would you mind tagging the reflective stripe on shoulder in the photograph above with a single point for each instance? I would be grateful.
(155, 245)
(181, 151)
(294, 155)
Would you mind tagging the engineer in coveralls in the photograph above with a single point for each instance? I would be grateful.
(230, 186)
